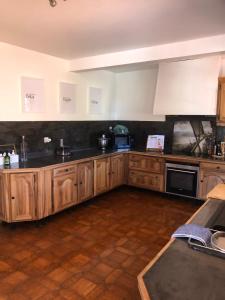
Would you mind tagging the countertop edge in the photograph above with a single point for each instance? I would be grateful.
(141, 285)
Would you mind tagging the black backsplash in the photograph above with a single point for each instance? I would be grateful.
(84, 134)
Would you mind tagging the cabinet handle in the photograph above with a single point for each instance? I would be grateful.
(13, 198)
(81, 182)
(218, 168)
(75, 184)
(201, 180)
(66, 170)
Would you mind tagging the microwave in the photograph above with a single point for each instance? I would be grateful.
(122, 141)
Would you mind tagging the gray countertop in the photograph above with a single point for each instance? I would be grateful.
(182, 273)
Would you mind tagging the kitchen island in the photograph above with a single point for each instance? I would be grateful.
(180, 273)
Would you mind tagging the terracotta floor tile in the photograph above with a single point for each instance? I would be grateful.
(93, 251)
(83, 287)
(59, 275)
(15, 278)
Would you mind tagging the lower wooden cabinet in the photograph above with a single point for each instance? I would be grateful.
(146, 180)
(108, 173)
(210, 176)
(85, 173)
(65, 190)
(23, 196)
(117, 171)
(146, 172)
(101, 175)
(3, 215)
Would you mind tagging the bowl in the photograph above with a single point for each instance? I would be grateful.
(218, 241)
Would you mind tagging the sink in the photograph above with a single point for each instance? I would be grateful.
(217, 222)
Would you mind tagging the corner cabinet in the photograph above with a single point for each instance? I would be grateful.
(221, 101)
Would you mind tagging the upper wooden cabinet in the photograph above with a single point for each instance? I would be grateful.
(85, 180)
(117, 171)
(23, 196)
(65, 188)
(221, 101)
(101, 175)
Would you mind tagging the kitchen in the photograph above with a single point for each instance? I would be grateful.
(107, 89)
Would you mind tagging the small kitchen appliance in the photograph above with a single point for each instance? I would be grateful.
(103, 142)
(120, 138)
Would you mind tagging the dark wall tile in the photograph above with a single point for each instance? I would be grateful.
(84, 134)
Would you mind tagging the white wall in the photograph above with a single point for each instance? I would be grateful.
(179, 50)
(16, 62)
(134, 95)
(188, 87)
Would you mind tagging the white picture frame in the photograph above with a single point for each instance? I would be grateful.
(95, 100)
(67, 98)
(32, 94)
(155, 143)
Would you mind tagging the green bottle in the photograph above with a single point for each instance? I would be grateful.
(6, 159)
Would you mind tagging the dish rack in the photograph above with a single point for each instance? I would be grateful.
(196, 245)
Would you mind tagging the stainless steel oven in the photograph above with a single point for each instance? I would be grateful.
(182, 179)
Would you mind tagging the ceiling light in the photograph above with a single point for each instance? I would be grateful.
(53, 3)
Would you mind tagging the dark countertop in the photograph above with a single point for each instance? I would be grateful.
(182, 273)
(48, 160)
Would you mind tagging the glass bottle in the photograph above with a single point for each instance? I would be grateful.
(6, 159)
(23, 149)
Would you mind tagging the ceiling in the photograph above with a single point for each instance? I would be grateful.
(79, 28)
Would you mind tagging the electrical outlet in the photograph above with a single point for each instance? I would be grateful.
(47, 140)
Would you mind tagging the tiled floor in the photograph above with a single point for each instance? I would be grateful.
(93, 251)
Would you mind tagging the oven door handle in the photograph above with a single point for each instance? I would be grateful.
(182, 171)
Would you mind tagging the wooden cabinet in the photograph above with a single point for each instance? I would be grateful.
(117, 171)
(146, 172)
(221, 101)
(146, 180)
(101, 175)
(23, 196)
(85, 181)
(65, 190)
(108, 173)
(210, 175)
(2, 199)
(144, 163)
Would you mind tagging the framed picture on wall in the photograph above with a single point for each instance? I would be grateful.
(32, 93)
(95, 100)
(67, 97)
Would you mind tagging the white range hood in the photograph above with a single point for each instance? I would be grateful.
(187, 87)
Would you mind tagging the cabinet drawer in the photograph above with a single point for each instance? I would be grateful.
(64, 170)
(213, 167)
(146, 180)
(143, 163)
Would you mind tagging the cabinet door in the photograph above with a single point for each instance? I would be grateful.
(146, 180)
(221, 101)
(64, 191)
(144, 163)
(23, 196)
(208, 180)
(2, 200)
(117, 171)
(85, 181)
(101, 175)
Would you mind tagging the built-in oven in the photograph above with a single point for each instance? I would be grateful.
(182, 179)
